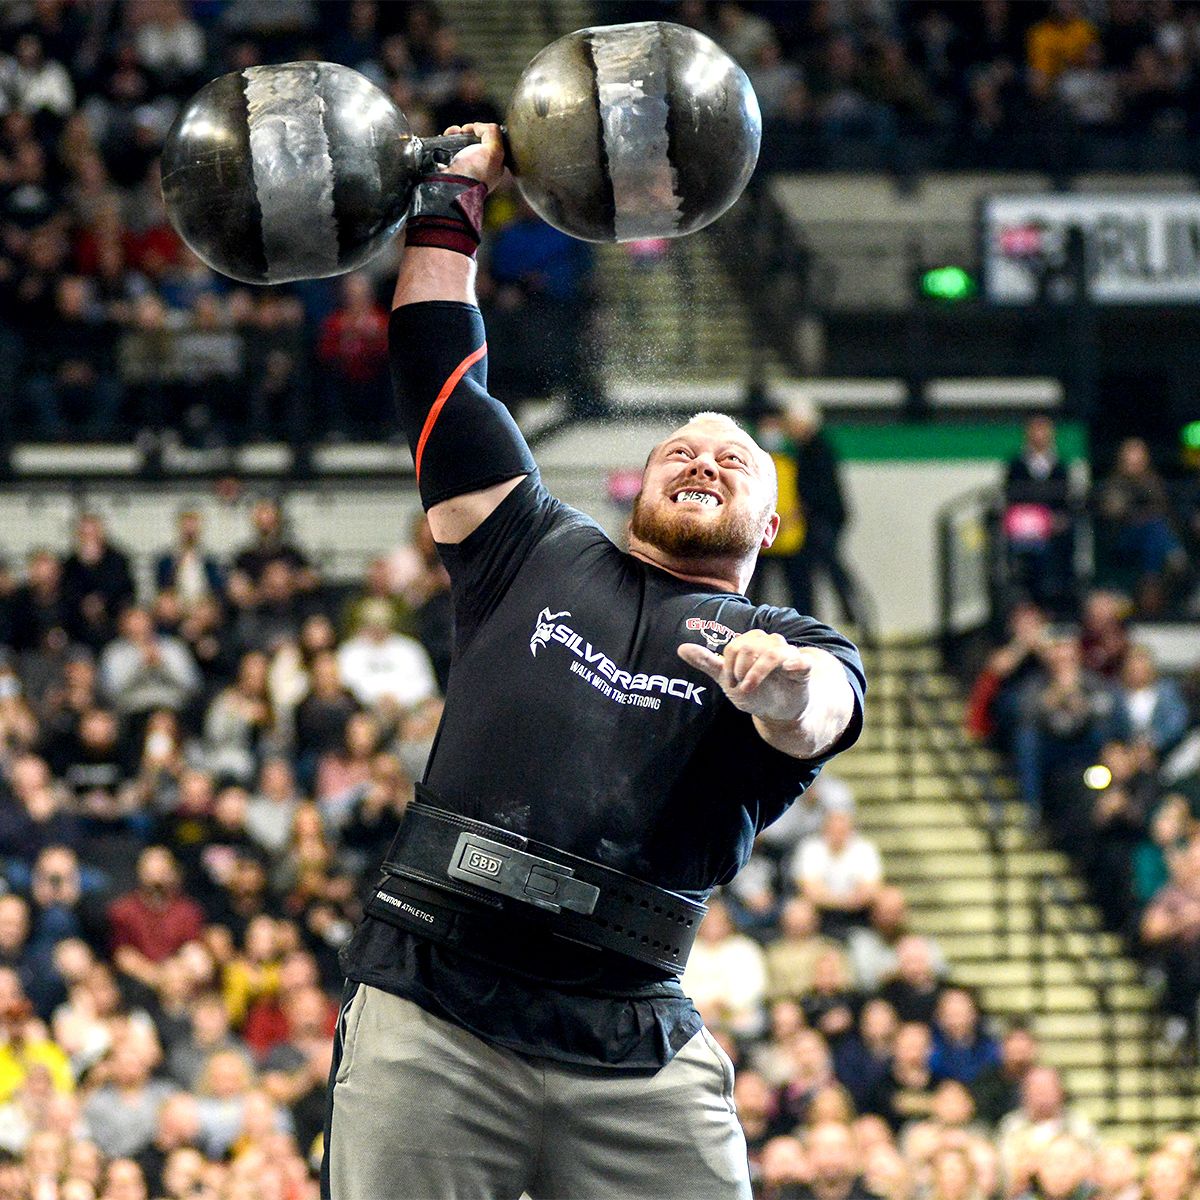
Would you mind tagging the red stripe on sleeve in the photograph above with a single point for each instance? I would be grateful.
(442, 396)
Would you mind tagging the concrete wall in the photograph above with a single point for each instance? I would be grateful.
(892, 545)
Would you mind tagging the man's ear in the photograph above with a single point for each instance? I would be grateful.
(771, 531)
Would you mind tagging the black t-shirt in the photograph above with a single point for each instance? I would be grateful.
(570, 718)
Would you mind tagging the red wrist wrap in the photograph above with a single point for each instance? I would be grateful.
(446, 211)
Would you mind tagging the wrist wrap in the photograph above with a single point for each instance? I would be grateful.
(446, 211)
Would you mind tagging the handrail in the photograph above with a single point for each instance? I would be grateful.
(772, 266)
(997, 580)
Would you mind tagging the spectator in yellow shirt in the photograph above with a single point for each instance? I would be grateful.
(25, 1043)
(254, 973)
(1059, 40)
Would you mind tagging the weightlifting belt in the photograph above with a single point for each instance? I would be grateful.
(486, 871)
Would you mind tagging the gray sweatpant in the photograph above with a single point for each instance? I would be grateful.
(423, 1110)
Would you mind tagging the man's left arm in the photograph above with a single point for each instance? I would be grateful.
(800, 697)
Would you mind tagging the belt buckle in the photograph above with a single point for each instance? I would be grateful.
(519, 875)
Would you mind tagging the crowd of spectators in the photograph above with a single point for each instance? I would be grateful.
(1107, 755)
(1056, 85)
(194, 784)
(199, 777)
(110, 326)
(864, 1072)
(1139, 523)
(1105, 748)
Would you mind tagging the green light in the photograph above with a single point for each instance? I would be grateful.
(948, 283)
(1190, 435)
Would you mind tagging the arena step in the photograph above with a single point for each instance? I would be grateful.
(1012, 916)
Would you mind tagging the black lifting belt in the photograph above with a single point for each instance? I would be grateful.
(496, 872)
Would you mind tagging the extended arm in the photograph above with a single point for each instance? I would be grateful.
(799, 696)
(468, 451)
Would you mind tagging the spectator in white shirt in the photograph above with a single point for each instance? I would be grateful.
(169, 44)
(41, 84)
(1154, 708)
(840, 872)
(726, 975)
(384, 669)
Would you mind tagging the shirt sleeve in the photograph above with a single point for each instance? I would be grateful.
(462, 438)
(483, 565)
(805, 631)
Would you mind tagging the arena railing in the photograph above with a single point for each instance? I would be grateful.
(340, 523)
(976, 581)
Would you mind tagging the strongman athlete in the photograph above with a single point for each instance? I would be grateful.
(618, 727)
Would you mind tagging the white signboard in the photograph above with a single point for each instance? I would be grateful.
(1138, 249)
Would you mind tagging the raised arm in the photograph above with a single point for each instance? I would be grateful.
(468, 451)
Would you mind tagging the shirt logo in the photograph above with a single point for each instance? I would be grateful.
(593, 666)
(714, 633)
(543, 629)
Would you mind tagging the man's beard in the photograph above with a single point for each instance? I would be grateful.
(733, 534)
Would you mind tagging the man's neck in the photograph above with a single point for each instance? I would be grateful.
(719, 575)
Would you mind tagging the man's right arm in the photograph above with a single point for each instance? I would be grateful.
(469, 453)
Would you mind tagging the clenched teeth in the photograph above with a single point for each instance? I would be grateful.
(702, 497)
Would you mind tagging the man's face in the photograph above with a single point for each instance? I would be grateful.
(90, 529)
(266, 518)
(1043, 1094)
(1063, 1168)
(838, 828)
(189, 528)
(831, 1156)
(306, 1012)
(878, 1022)
(1019, 1050)
(708, 492)
(913, 1045)
(277, 581)
(890, 911)
(138, 625)
(956, 1015)
(44, 571)
(1063, 657)
(1039, 434)
(156, 872)
(913, 961)
(98, 730)
(14, 923)
(56, 875)
(1116, 1168)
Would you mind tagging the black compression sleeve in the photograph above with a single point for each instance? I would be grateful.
(461, 438)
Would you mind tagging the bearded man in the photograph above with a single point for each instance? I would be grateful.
(618, 727)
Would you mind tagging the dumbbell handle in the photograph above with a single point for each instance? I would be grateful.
(441, 150)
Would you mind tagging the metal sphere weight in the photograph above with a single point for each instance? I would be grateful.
(622, 132)
(297, 171)
(616, 133)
